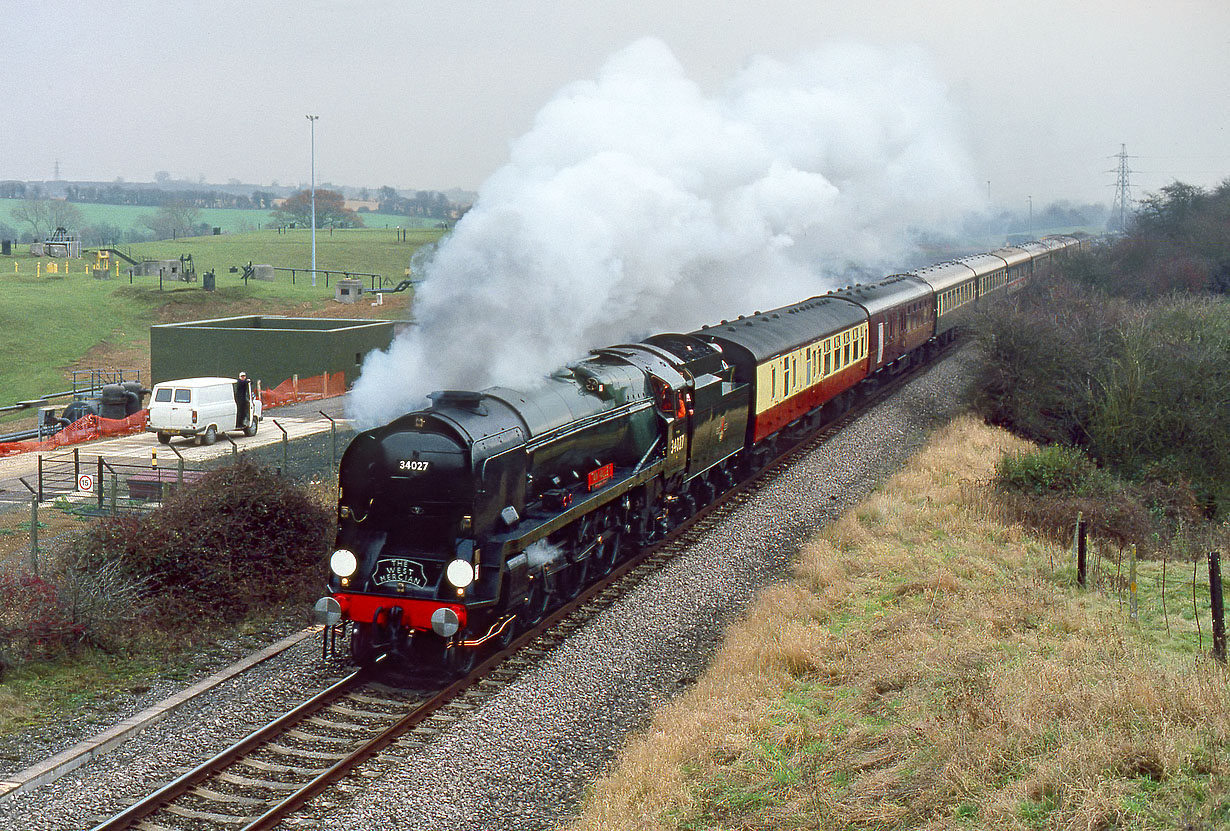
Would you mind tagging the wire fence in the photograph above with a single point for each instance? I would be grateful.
(74, 483)
(1178, 598)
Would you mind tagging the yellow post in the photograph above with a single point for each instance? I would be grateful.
(38, 269)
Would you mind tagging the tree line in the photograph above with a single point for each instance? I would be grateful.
(125, 194)
(178, 212)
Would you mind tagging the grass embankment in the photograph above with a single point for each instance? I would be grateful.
(53, 323)
(928, 667)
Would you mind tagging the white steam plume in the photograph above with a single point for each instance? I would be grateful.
(638, 203)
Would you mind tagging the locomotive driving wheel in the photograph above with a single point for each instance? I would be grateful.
(571, 579)
(535, 608)
(606, 550)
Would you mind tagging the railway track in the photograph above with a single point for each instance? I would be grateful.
(267, 776)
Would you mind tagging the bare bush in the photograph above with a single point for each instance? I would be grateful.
(96, 593)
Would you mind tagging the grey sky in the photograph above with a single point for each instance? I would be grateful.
(429, 95)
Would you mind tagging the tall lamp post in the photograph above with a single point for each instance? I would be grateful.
(312, 120)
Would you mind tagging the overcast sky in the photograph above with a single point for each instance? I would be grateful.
(430, 95)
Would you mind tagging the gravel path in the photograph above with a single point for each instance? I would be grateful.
(524, 759)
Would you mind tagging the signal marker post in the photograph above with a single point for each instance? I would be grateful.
(1219, 611)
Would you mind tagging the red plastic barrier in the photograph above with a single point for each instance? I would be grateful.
(314, 388)
(86, 428)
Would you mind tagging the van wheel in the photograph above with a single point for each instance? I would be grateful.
(250, 430)
(164, 438)
(211, 435)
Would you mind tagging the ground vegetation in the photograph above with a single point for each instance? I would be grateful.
(130, 596)
(1124, 354)
(932, 664)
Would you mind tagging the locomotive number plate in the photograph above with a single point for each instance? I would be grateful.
(410, 572)
(414, 465)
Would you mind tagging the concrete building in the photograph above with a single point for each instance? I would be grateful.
(270, 348)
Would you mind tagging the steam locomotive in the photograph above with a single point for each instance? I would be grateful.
(463, 523)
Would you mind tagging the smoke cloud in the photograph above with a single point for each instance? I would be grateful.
(639, 203)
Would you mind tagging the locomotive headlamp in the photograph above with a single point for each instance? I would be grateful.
(343, 562)
(460, 573)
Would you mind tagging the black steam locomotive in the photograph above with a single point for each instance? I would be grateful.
(462, 523)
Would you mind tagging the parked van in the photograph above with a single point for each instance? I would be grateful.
(203, 407)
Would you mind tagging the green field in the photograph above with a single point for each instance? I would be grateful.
(51, 322)
(230, 220)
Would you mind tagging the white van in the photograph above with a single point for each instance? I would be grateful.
(203, 407)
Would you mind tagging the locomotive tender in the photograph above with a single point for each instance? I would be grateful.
(461, 524)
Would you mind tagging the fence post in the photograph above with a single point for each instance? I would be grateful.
(76, 463)
(115, 488)
(285, 471)
(1081, 547)
(1219, 612)
(34, 534)
(40, 478)
(333, 430)
(1132, 582)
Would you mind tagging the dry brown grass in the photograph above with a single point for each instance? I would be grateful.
(926, 669)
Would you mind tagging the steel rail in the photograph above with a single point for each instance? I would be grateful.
(207, 769)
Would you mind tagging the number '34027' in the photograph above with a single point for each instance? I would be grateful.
(413, 465)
